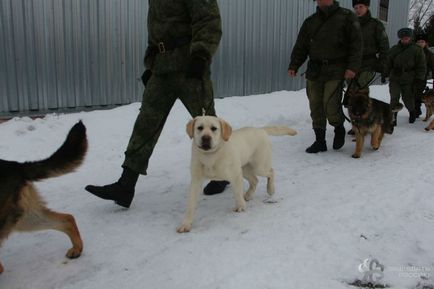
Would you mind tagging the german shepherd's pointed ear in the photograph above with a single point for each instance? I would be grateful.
(226, 130)
(190, 128)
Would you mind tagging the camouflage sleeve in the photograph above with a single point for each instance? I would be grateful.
(420, 64)
(355, 43)
(383, 46)
(430, 66)
(393, 52)
(149, 57)
(206, 26)
(301, 49)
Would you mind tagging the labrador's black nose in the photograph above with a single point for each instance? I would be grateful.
(206, 142)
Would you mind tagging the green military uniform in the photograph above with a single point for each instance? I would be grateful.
(406, 65)
(429, 58)
(375, 49)
(420, 87)
(177, 31)
(332, 39)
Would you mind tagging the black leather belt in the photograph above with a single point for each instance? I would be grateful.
(325, 62)
(170, 45)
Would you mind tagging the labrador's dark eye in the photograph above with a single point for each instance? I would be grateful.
(200, 128)
(213, 128)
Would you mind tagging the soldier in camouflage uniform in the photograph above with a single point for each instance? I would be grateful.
(407, 68)
(183, 35)
(422, 40)
(332, 39)
(375, 47)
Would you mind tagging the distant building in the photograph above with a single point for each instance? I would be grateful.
(63, 55)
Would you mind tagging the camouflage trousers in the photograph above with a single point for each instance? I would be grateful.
(325, 102)
(363, 79)
(406, 91)
(159, 97)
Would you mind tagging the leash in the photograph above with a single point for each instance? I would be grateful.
(373, 79)
(345, 96)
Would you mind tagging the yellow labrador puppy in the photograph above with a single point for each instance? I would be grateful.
(218, 153)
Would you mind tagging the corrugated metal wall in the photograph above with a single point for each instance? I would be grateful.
(70, 53)
(60, 54)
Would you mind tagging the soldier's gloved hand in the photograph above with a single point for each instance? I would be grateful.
(146, 76)
(198, 66)
(383, 79)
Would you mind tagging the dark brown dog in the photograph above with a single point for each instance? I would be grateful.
(428, 100)
(430, 126)
(369, 115)
(21, 207)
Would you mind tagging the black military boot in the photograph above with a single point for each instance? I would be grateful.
(417, 106)
(418, 111)
(339, 139)
(215, 187)
(122, 192)
(395, 116)
(320, 143)
(412, 117)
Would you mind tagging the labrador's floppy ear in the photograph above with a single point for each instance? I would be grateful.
(190, 128)
(226, 130)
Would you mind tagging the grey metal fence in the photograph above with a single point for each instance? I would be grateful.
(75, 54)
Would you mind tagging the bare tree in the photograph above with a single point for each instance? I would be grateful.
(420, 12)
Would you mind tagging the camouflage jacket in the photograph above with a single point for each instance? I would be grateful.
(173, 20)
(332, 39)
(375, 44)
(429, 58)
(406, 63)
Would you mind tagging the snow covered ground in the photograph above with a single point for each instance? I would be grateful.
(333, 211)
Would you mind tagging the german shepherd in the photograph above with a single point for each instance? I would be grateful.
(21, 206)
(428, 100)
(369, 115)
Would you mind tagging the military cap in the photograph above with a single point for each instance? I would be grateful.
(405, 32)
(364, 2)
(421, 36)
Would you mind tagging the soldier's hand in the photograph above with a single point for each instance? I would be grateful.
(383, 79)
(292, 73)
(146, 76)
(349, 74)
(198, 66)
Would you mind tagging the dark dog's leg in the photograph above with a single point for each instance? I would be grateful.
(44, 219)
(360, 139)
(430, 126)
(426, 114)
(376, 137)
(380, 137)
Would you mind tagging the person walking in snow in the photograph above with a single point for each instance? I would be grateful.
(183, 36)
(421, 39)
(407, 68)
(375, 47)
(332, 39)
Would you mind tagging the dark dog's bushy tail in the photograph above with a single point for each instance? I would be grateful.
(66, 159)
